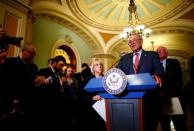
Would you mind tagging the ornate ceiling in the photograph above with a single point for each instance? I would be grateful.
(99, 22)
(114, 14)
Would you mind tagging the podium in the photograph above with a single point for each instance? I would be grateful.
(124, 112)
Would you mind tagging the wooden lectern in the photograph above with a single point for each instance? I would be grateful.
(124, 112)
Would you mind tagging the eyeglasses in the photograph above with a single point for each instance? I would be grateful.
(131, 41)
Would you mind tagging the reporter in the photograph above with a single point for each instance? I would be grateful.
(3, 48)
(20, 75)
(3, 53)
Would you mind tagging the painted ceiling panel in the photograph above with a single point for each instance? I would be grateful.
(107, 10)
(98, 6)
(117, 13)
(140, 12)
(164, 1)
(152, 8)
(126, 17)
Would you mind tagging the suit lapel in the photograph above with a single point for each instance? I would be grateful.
(131, 71)
(142, 60)
(51, 73)
(167, 64)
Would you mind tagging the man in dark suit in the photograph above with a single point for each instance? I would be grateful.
(20, 82)
(140, 61)
(48, 100)
(3, 53)
(171, 88)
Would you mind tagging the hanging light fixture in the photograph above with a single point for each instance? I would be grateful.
(134, 26)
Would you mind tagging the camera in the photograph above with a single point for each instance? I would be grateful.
(6, 40)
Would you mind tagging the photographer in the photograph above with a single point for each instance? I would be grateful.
(18, 77)
(3, 47)
(5, 40)
(3, 53)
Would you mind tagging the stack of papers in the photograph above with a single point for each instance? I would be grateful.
(99, 106)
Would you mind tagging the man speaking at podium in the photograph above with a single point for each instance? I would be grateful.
(140, 61)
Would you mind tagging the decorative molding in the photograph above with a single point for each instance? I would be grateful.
(180, 53)
(173, 13)
(90, 42)
(18, 5)
(68, 39)
(104, 56)
(169, 30)
(74, 7)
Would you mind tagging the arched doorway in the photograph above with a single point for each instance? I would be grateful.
(67, 53)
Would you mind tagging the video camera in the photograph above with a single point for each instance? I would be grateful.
(5, 40)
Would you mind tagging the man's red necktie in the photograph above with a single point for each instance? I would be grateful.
(136, 62)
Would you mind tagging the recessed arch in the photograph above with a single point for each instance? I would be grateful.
(70, 50)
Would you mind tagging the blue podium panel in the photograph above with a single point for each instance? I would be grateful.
(136, 82)
(128, 95)
(95, 85)
(142, 81)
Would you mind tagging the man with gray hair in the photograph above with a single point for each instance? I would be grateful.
(20, 77)
(171, 90)
(141, 61)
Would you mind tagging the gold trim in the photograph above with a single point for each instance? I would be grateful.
(18, 5)
(109, 56)
(170, 30)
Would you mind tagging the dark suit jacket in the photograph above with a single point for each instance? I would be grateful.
(172, 80)
(48, 98)
(19, 79)
(46, 72)
(149, 63)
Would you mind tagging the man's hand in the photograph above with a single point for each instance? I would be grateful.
(158, 80)
(40, 80)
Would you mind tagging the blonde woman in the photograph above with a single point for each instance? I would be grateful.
(97, 70)
(89, 119)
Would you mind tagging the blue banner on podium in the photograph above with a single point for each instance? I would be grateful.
(135, 82)
(128, 95)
